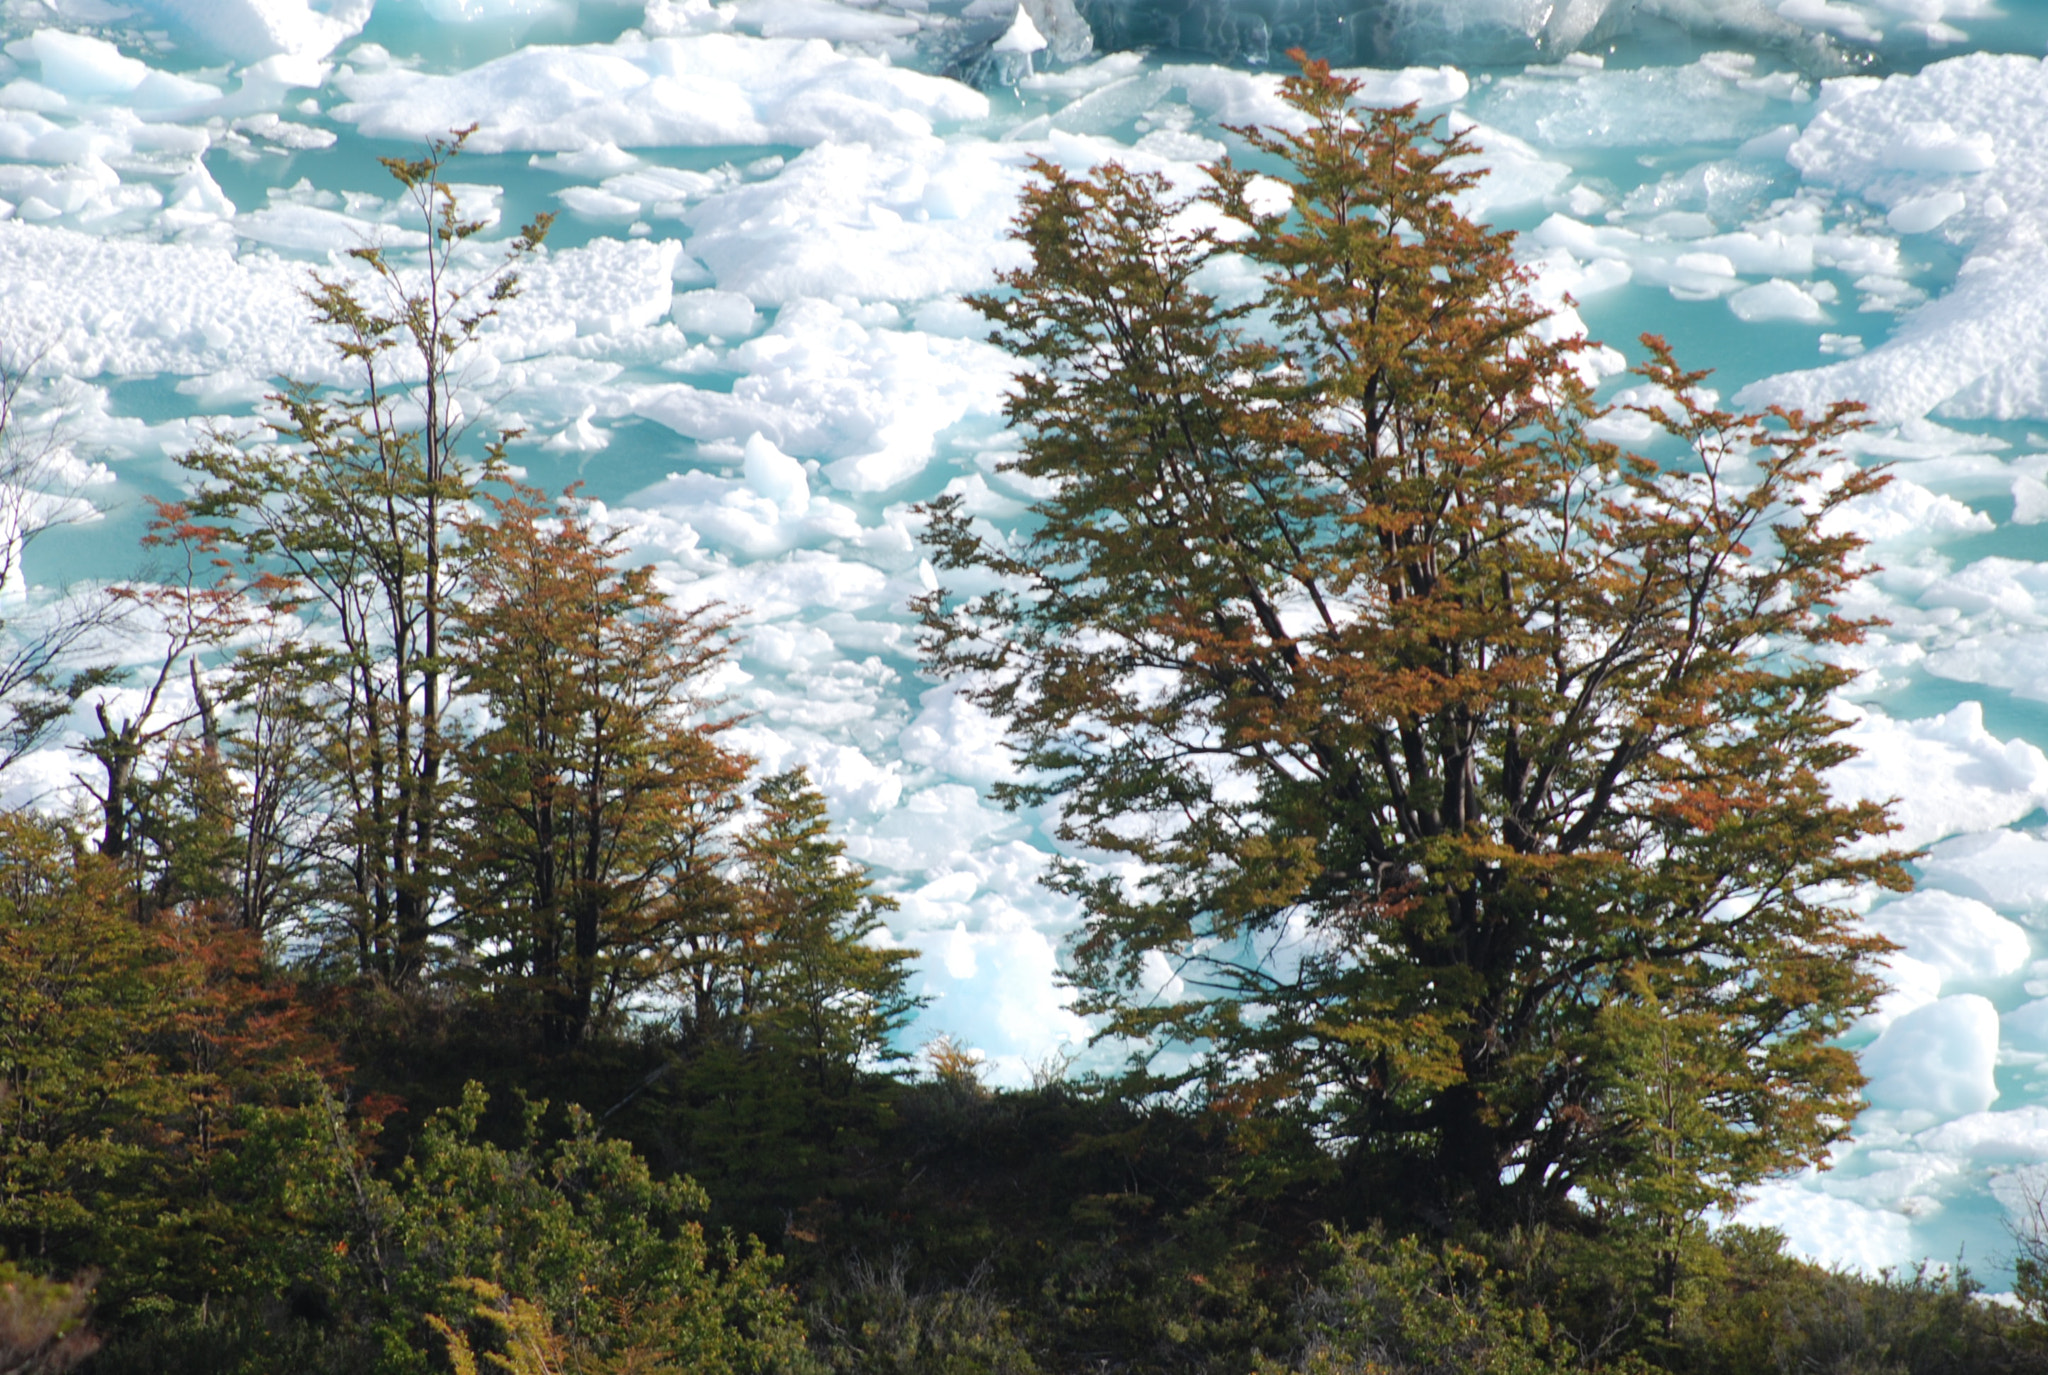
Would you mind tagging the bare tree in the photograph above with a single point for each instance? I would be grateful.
(2025, 1196)
(351, 506)
(41, 486)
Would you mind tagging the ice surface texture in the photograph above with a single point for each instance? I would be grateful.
(713, 90)
(1956, 148)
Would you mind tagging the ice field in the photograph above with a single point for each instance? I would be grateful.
(747, 340)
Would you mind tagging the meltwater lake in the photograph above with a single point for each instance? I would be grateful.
(747, 340)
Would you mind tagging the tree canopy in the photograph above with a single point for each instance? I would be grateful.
(1430, 749)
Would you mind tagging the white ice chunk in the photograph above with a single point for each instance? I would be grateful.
(954, 737)
(1905, 512)
(312, 229)
(252, 29)
(2029, 500)
(595, 204)
(78, 65)
(776, 476)
(1961, 939)
(1948, 773)
(819, 384)
(854, 785)
(1516, 174)
(737, 515)
(714, 90)
(1831, 1231)
(122, 307)
(718, 314)
(1955, 146)
(1022, 37)
(1909, 984)
(608, 286)
(2008, 869)
(1991, 1138)
(999, 992)
(1713, 100)
(579, 436)
(905, 222)
(1919, 214)
(1776, 299)
(1938, 1059)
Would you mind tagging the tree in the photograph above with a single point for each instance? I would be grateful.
(40, 481)
(825, 995)
(595, 800)
(145, 1068)
(353, 512)
(1433, 738)
(268, 733)
(165, 809)
(605, 1257)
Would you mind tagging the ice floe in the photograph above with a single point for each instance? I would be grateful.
(712, 90)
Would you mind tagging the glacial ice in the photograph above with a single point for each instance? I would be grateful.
(1936, 1060)
(1955, 148)
(1960, 939)
(711, 90)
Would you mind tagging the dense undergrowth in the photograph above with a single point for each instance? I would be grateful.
(929, 1226)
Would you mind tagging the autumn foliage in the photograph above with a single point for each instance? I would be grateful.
(1465, 771)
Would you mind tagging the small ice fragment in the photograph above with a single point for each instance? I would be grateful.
(579, 436)
(594, 204)
(1022, 37)
(1922, 213)
(1776, 299)
(1013, 50)
(718, 314)
(1584, 202)
(776, 476)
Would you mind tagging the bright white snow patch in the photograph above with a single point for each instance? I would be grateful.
(1956, 146)
(1936, 1059)
(707, 91)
